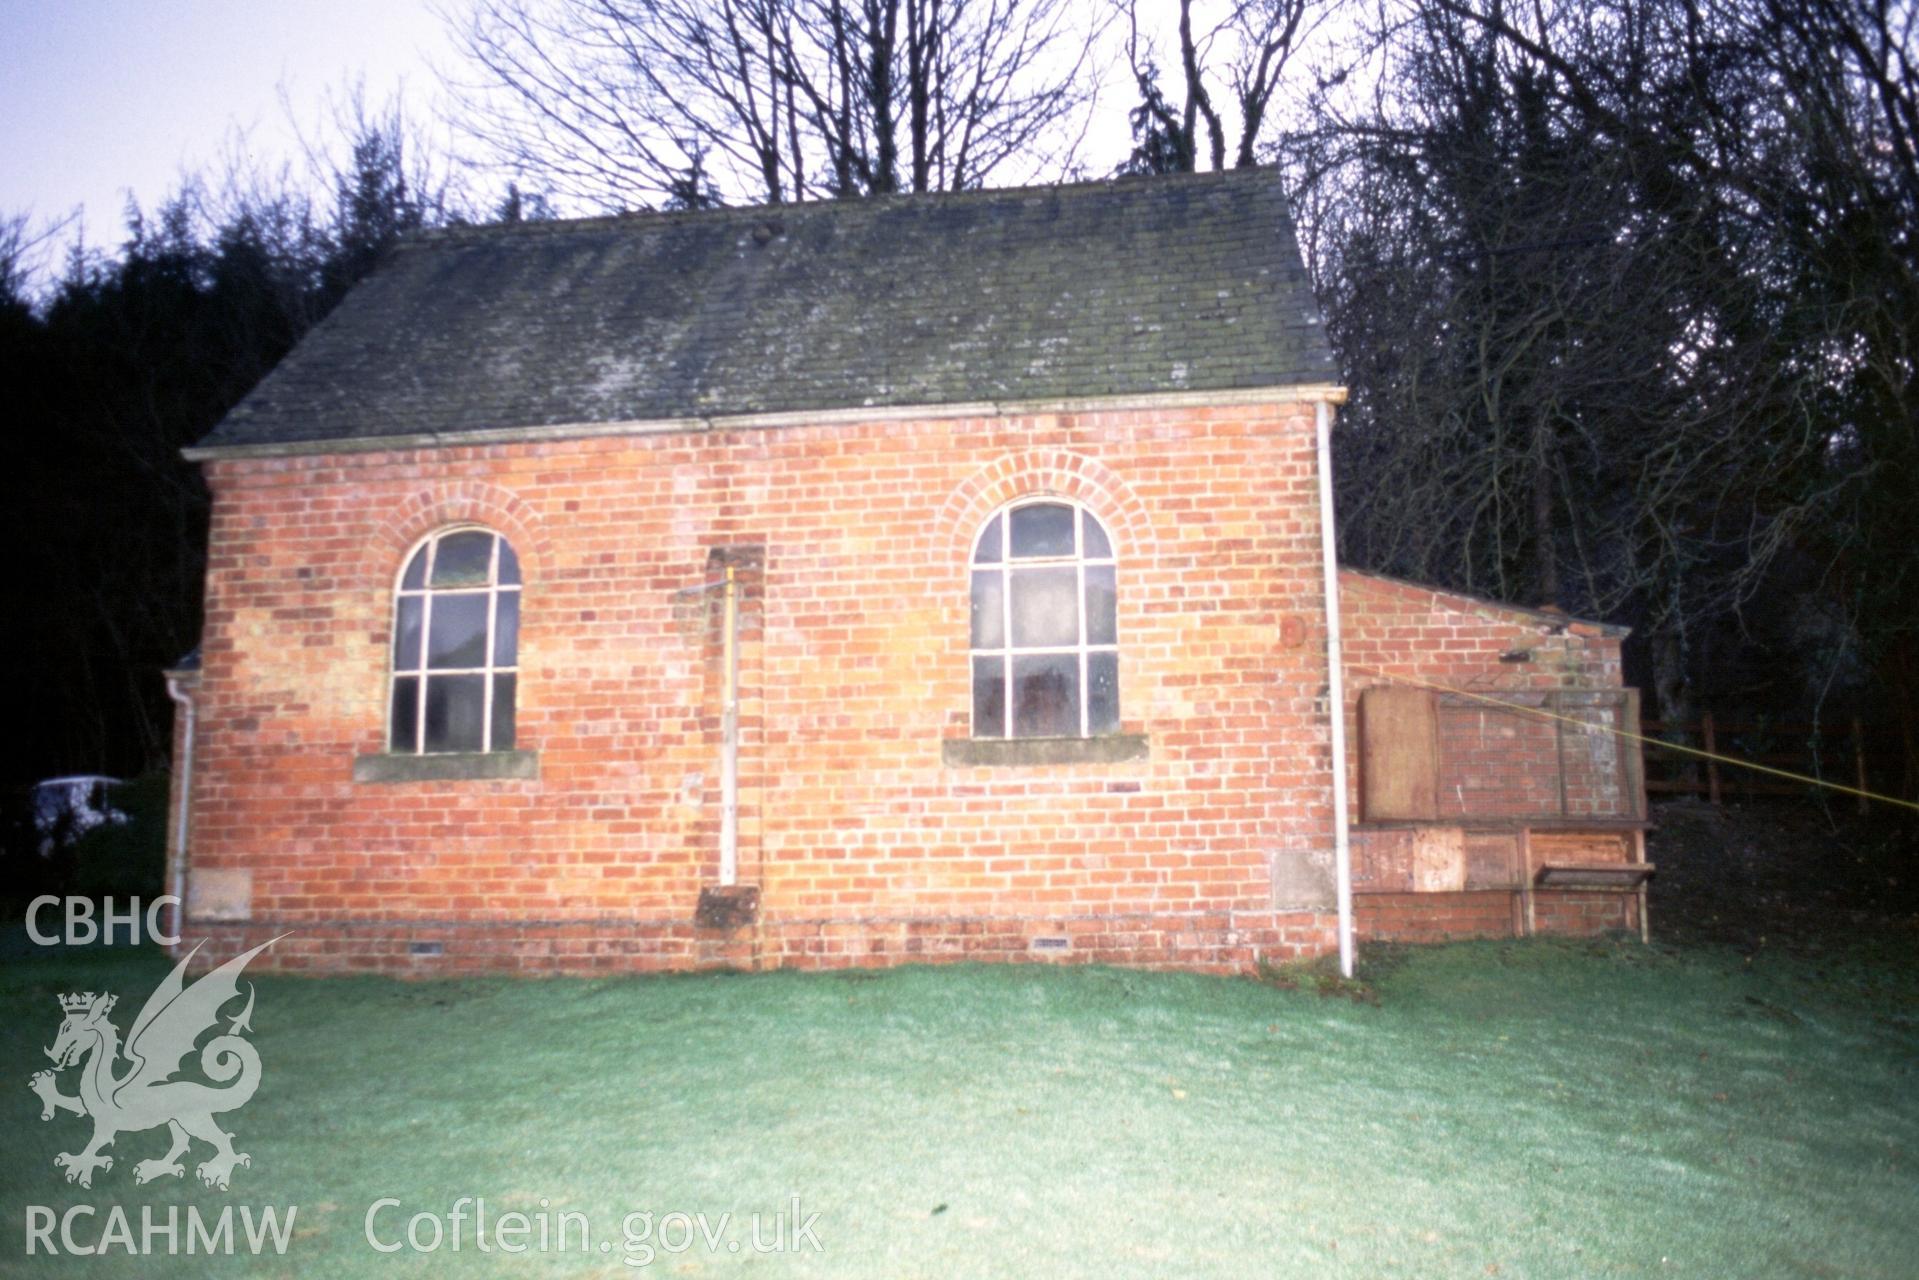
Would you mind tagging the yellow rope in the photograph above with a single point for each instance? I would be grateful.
(1661, 743)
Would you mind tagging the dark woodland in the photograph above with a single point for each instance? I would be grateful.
(1626, 293)
(125, 359)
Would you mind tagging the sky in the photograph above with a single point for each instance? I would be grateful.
(106, 97)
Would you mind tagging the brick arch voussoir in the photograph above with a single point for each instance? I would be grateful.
(1047, 472)
(467, 502)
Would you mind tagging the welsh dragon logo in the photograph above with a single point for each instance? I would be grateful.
(145, 1095)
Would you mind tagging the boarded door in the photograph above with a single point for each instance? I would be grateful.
(1399, 754)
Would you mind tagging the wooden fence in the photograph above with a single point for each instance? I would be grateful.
(1836, 752)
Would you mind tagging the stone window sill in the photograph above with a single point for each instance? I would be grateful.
(1107, 748)
(461, 766)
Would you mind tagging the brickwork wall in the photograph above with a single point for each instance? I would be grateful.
(867, 847)
(1398, 630)
(1574, 912)
(1223, 942)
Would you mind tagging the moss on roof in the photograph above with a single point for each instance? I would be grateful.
(1109, 288)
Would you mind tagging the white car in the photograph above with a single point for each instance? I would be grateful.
(64, 809)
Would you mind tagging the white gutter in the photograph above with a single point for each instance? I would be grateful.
(1286, 393)
(1335, 688)
(177, 856)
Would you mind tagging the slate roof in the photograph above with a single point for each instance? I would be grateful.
(1109, 288)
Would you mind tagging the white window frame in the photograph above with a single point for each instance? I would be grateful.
(1006, 568)
(493, 589)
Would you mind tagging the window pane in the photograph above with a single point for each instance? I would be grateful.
(989, 620)
(1102, 596)
(504, 689)
(464, 559)
(1102, 693)
(455, 710)
(509, 564)
(1045, 607)
(1045, 529)
(506, 630)
(989, 698)
(988, 551)
(458, 634)
(406, 639)
(403, 721)
(415, 576)
(1046, 696)
(1093, 543)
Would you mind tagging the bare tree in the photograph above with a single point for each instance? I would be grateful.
(1229, 62)
(23, 253)
(1573, 360)
(633, 102)
(1628, 295)
(132, 354)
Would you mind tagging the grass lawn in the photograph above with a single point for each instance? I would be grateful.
(1512, 1109)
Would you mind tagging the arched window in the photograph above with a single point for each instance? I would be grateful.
(456, 634)
(1045, 632)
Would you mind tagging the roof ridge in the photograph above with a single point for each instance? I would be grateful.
(635, 218)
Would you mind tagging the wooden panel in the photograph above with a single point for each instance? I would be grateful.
(1492, 860)
(1383, 859)
(1399, 754)
(1439, 859)
(1628, 875)
(1632, 759)
(1580, 847)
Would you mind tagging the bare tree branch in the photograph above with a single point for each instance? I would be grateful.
(614, 102)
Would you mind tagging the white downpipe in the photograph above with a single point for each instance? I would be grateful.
(177, 882)
(1335, 688)
(730, 737)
